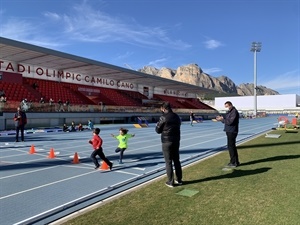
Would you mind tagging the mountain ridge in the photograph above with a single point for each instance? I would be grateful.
(193, 74)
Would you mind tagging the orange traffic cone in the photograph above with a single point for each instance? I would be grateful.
(51, 154)
(104, 166)
(32, 150)
(75, 159)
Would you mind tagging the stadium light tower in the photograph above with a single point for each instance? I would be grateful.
(255, 47)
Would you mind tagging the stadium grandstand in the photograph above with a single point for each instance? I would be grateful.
(42, 80)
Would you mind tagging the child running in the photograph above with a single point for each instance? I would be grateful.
(123, 142)
(96, 141)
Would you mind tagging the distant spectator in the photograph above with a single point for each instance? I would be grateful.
(34, 85)
(2, 93)
(101, 106)
(51, 101)
(90, 125)
(68, 105)
(2, 102)
(24, 101)
(24, 104)
(42, 100)
(73, 128)
(60, 105)
(65, 128)
(3, 99)
(192, 118)
(80, 127)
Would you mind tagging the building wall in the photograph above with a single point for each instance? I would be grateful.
(265, 102)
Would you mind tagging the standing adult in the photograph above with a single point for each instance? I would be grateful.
(192, 117)
(231, 127)
(169, 128)
(20, 119)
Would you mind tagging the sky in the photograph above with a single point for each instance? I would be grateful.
(214, 34)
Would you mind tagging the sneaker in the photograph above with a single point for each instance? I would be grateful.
(97, 167)
(231, 165)
(120, 162)
(110, 166)
(178, 182)
(169, 184)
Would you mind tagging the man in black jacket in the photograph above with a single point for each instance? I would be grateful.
(169, 128)
(231, 127)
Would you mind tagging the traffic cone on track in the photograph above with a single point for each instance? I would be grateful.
(75, 159)
(51, 154)
(104, 166)
(32, 150)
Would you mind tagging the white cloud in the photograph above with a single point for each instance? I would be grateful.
(25, 31)
(157, 63)
(16, 29)
(124, 56)
(212, 70)
(53, 16)
(89, 25)
(212, 44)
(289, 81)
(86, 24)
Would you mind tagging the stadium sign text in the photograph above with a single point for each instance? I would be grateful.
(27, 70)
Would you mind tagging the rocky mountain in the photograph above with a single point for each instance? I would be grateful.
(193, 74)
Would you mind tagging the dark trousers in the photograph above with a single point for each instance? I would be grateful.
(171, 155)
(231, 144)
(18, 129)
(121, 150)
(100, 153)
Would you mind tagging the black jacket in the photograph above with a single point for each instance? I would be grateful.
(231, 121)
(169, 127)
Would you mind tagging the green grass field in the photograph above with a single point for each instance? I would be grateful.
(265, 189)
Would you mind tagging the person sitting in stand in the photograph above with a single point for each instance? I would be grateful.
(51, 101)
(65, 128)
(60, 105)
(35, 85)
(2, 93)
(67, 103)
(42, 100)
(80, 127)
(90, 125)
(73, 128)
(3, 99)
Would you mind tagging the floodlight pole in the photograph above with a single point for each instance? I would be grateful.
(255, 47)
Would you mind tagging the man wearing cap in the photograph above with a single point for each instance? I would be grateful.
(169, 128)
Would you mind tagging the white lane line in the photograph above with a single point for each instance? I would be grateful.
(20, 174)
(134, 174)
(45, 185)
(138, 168)
(81, 167)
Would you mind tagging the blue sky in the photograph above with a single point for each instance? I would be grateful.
(215, 34)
